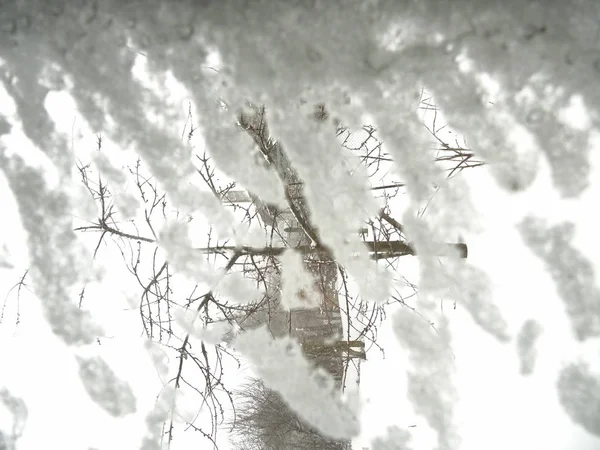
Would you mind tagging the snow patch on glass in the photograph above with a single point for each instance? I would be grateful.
(572, 272)
(474, 293)
(430, 387)
(127, 204)
(236, 288)
(527, 339)
(18, 410)
(105, 388)
(310, 392)
(191, 199)
(336, 190)
(297, 284)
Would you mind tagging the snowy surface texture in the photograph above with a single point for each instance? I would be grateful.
(519, 79)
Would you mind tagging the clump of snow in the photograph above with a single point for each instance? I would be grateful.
(191, 199)
(127, 204)
(236, 288)
(214, 333)
(11, 405)
(298, 289)
(395, 439)
(106, 390)
(309, 391)
(314, 50)
(572, 272)
(473, 292)
(430, 379)
(174, 240)
(236, 155)
(526, 341)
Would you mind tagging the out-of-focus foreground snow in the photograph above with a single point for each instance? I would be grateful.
(516, 363)
(509, 389)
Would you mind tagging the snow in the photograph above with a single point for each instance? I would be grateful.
(518, 80)
(498, 406)
(295, 278)
(310, 392)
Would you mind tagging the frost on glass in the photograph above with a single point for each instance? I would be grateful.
(526, 341)
(310, 392)
(579, 393)
(105, 388)
(571, 271)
